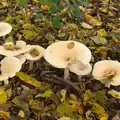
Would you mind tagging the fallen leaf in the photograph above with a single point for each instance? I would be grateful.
(99, 40)
(114, 93)
(92, 20)
(21, 114)
(3, 96)
(64, 118)
(102, 33)
(27, 79)
(86, 25)
(100, 111)
(63, 94)
(46, 94)
(4, 115)
(65, 108)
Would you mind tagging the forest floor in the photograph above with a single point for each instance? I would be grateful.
(39, 92)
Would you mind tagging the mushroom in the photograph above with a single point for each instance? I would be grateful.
(35, 53)
(9, 49)
(108, 72)
(5, 28)
(10, 65)
(68, 55)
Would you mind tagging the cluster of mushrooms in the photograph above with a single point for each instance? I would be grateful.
(71, 56)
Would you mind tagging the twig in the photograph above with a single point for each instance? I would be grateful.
(60, 81)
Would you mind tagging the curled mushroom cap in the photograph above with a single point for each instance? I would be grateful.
(80, 69)
(107, 71)
(10, 65)
(5, 28)
(61, 53)
(35, 53)
(21, 58)
(8, 50)
(20, 43)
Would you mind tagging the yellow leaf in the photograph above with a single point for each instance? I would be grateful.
(64, 118)
(115, 39)
(102, 32)
(82, 8)
(114, 93)
(4, 115)
(21, 114)
(103, 10)
(63, 94)
(86, 25)
(45, 7)
(4, 3)
(30, 80)
(3, 96)
(92, 20)
(100, 111)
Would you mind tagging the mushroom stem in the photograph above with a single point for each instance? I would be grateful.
(66, 73)
(6, 82)
(30, 65)
(79, 77)
(107, 84)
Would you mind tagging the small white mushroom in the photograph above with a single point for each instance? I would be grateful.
(10, 65)
(5, 28)
(21, 58)
(20, 43)
(6, 50)
(35, 53)
(108, 72)
(68, 55)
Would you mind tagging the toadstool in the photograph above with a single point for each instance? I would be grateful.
(66, 54)
(12, 50)
(5, 28)
(35, 53)
(108, 72)
(10, 65)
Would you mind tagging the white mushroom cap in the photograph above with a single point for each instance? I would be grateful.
(10, 65)
(59, 54)
(5, 28)
(107, 68)
(40, 51)
(21, 58)
(6, 52)
(3, 77)
(80, 69)
(20, 43)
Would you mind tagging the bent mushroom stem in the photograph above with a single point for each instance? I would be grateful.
(31, 63)
(66, 73)
(6, 82)
(79, 77)
(107, 84)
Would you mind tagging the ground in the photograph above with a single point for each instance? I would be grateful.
(39, 92)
